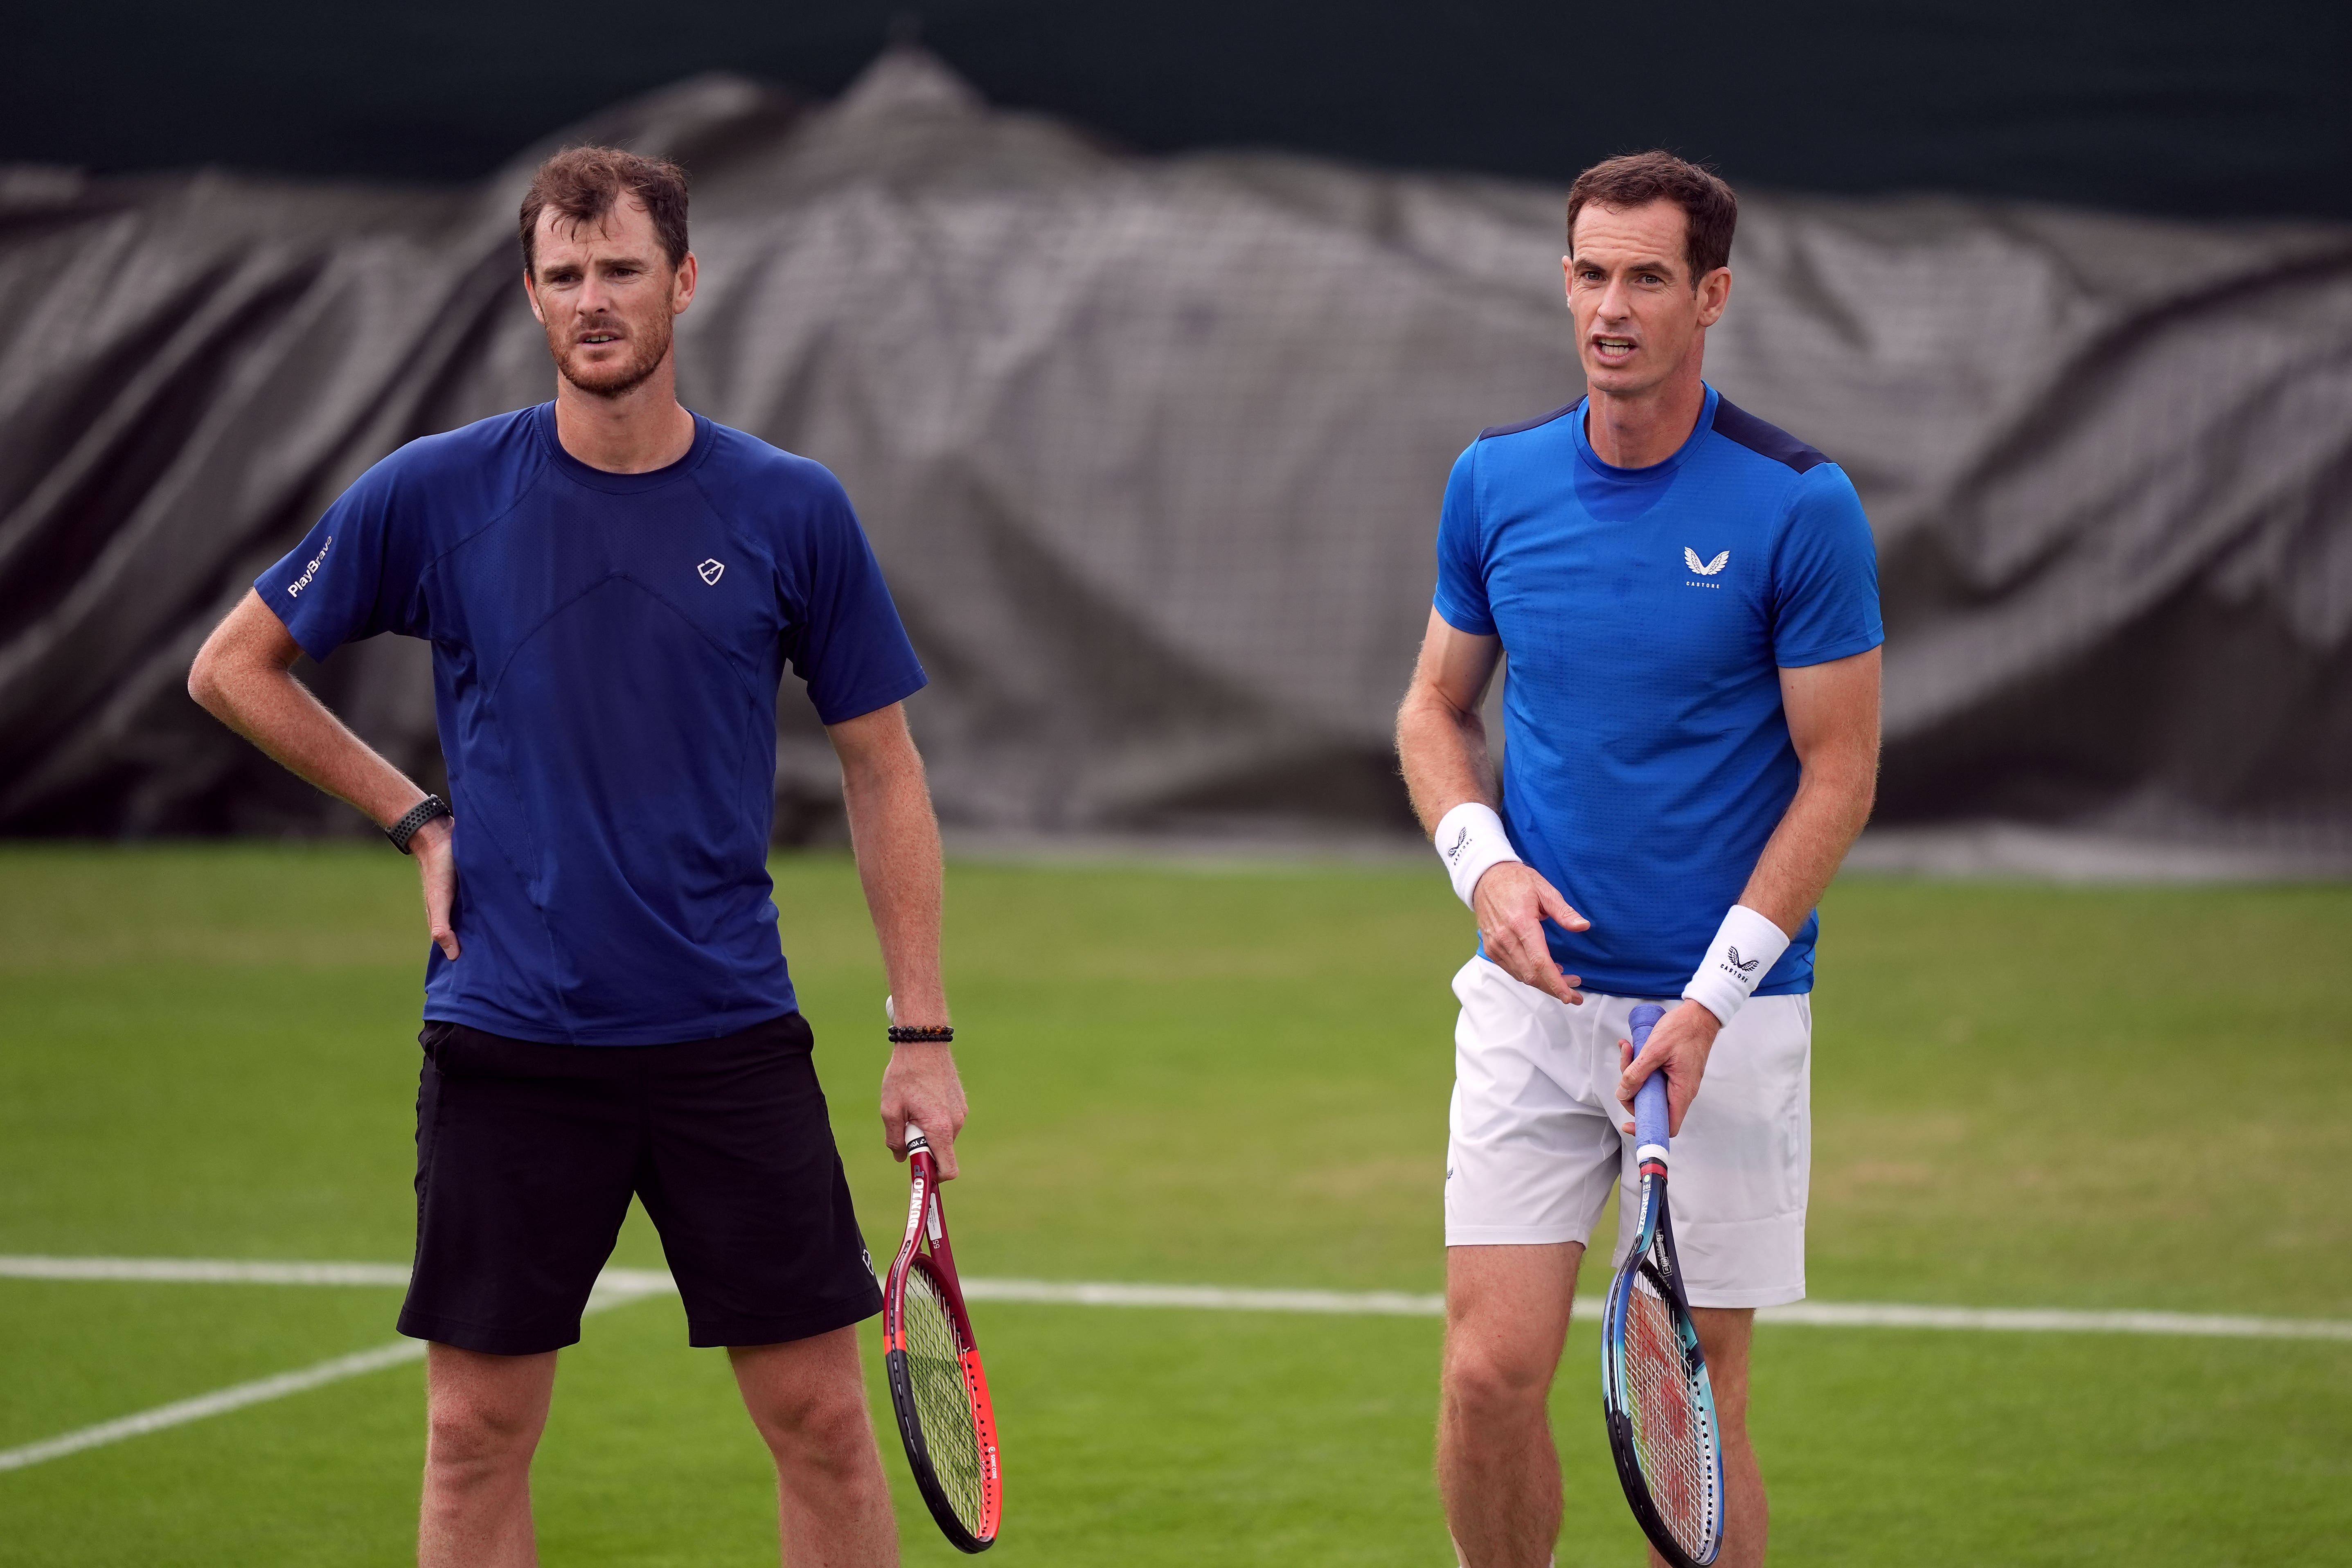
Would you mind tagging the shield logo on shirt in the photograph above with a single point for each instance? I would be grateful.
(710, 571)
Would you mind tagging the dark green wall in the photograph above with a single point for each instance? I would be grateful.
(2157, 107)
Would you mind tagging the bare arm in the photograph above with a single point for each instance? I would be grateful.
(1442, 747)
(1441, 738)
(1833, 712)
(897, 843)
(243, 676)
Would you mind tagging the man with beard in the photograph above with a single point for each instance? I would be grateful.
(613, 586)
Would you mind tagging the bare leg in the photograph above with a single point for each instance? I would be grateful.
(1506, 1318)
(483, 1418)
(1723, 1336)
(808, 1399)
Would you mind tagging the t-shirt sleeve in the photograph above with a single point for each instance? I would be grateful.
(1825, 580)
(355, 575)
(847, 641)
(1460, 599)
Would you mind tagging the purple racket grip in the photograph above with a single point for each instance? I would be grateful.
(1650, 1100)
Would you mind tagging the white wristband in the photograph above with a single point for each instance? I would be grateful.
(1746, 947)
(1470, 840)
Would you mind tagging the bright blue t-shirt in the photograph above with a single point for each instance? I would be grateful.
(1646, 614)
(607, 650)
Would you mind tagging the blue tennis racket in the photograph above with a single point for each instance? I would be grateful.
(1653, 1387)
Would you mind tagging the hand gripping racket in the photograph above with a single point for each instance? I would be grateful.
(1653, 1387)
(937, 1388)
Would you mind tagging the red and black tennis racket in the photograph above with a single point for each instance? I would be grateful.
(937, 1387)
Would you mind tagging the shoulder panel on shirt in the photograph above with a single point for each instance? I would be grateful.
(751, 471)
(1735, 424)
(468, 445)
(481, 468)
(472, 476)
(1540, 419)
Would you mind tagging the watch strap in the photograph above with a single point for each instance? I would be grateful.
(422, 812)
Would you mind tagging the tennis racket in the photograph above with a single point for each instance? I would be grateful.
(937, 1388)
(1653, 1387)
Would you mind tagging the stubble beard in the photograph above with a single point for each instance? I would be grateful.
(617, 380)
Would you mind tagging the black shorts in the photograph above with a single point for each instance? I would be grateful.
(526, 1156)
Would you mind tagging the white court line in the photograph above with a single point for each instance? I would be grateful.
(631, 1283)
(1210, 1298)
(617, 1286)
(2050, 1320)
(1811, 1314)
(218, 1402)
(614, 1287)
(232, 1271)
(205, 1271)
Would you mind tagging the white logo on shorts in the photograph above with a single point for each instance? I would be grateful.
(1690, 559)
(710, 571)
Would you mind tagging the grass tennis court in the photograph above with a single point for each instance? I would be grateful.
(2024, 1097)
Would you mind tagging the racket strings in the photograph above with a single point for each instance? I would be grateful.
(1672, 1425)
(942, 1399)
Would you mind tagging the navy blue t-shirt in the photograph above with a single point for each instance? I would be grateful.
(607, 650)
(1646, 614)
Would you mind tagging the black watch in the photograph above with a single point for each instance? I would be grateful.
(422, 812)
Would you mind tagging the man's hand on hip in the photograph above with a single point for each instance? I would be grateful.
(920, 1086)
(1678, 1048)
(1513, 901)
(436, 867)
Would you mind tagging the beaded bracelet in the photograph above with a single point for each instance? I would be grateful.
(922, 1033)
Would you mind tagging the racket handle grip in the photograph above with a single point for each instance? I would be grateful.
(915, 1139)
(1650, 1100)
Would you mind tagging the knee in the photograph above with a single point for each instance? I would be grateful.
(825, 1428)
(1482, 1387)
(472, 1439)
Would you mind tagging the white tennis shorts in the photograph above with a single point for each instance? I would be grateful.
(1535, 1146)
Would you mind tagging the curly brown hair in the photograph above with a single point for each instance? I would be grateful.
(581, 184)
(1637, 179)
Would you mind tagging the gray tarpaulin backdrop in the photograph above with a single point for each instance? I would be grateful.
(1151, 450)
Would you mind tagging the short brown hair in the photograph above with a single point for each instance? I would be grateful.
(581, 184)
(1637, 179)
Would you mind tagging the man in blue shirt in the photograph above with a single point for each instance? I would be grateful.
(1688, 600)
(613, 587)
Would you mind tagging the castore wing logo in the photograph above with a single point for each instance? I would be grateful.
(1706, 569)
